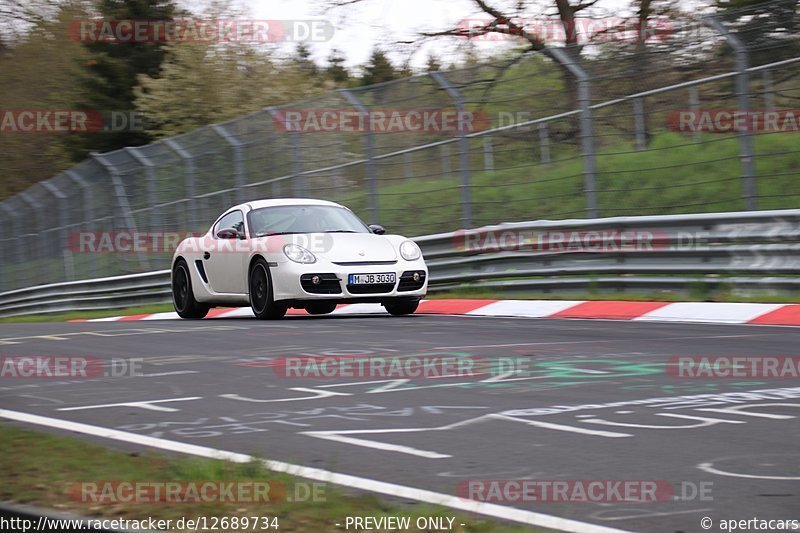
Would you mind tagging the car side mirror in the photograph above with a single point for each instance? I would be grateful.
(229, 233)
(377, 229)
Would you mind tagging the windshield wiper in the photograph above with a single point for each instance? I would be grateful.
(271, 233)
(340, 231)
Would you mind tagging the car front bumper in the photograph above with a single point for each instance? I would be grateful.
(291, 281)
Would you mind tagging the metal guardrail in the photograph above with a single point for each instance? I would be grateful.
(751, 252)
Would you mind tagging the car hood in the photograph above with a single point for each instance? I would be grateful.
(348, 247)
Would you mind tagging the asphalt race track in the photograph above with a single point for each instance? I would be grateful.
(216, 383)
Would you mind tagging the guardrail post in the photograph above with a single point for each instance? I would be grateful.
(122, 201)
(190, 175)
(746, 151)
(587, 135)
(63, 220)
(88, 207)
(152, 196)
(372, 179)
(238, 159)
(463, 147)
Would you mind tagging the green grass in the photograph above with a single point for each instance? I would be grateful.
(665, 296)
(45, 469)
(674, 175)
(79, 315)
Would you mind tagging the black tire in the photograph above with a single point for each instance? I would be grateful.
(259, 283)
(320, 308)
(183, 295)
(401, 307)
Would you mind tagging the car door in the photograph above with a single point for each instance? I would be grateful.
(224, 259)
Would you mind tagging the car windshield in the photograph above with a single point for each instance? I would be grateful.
(303, 219)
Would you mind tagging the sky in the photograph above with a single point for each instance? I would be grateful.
(359, 27)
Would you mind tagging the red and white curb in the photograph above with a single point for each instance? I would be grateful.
(703, 312)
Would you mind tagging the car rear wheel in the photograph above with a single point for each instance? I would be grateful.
(402, 307)
(261, 294)
(320, 308)
(183, 296)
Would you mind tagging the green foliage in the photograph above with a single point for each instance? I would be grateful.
(112, 73)
(200, 85)
(335, 70)
(39, 72)
(378, 69)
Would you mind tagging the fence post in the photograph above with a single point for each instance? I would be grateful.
(372, 179)
(488, 153)
(238, 159)
(152, 195)
(638, 124)
(769, 96)
(298, 180)
(12, 217)
(63, 221)
(746, 152)
(694, 105)
(463, 147)
(122, 201)
(34, 255)
(190, 174)
(444, 154)
(88, 201)
(587, 135)
(544, 142)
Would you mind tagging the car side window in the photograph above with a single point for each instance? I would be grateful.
(233, 220)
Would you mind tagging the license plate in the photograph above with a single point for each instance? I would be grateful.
(371, 279)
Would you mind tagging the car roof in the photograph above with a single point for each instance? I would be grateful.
(258, 204)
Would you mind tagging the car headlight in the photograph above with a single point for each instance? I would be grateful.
(298, 254)
(410, 251)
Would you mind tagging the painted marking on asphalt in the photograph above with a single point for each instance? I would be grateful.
(709, 467)
(372, 485)
(317, 395)
(142, 405)
(176, 373)
(517, 344)
(561, 427)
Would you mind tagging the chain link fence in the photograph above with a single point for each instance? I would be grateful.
(620, 127)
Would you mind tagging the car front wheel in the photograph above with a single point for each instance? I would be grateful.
(402, 307)
(261, 295)
(183, 296)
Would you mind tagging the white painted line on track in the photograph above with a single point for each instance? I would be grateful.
(371, 485)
